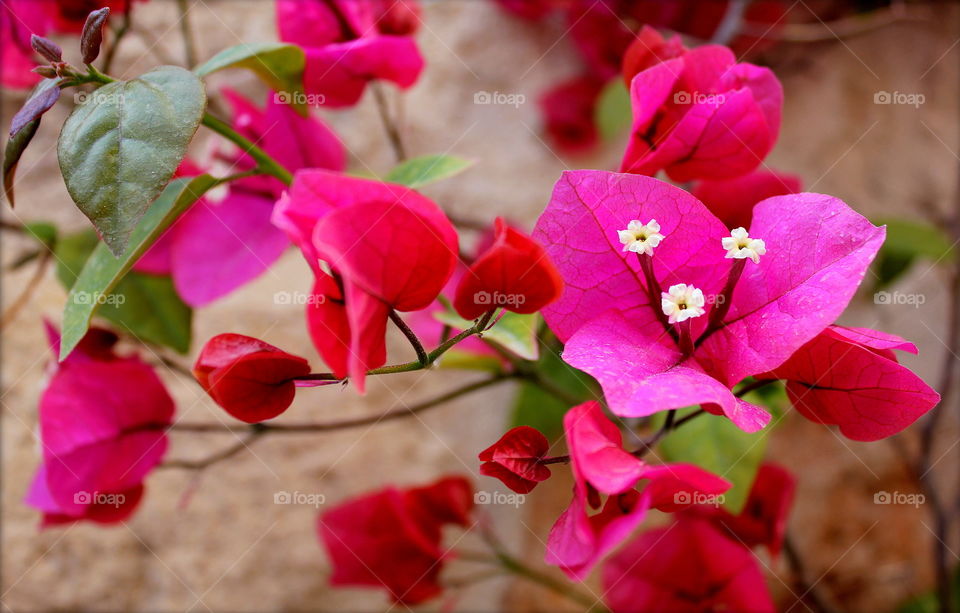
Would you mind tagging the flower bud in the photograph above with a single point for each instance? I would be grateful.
(46, 47)
(92, 36)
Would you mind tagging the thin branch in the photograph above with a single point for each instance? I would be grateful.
(189, 49)
(810, 591)
(229, 452)
(32, 284)
(411, 336)
(122, 31)
(732, 22)
(389, 126)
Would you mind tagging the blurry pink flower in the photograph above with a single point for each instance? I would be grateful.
(103, 420)
(350, 43)
(600, 465)
(747, 318)
(18, 20)
(392, 538)
(732, 200)
(702, 115)
(686, 567)
(568, 113)
(387, 246)
(220, 245)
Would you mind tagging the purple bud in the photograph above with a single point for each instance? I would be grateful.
(46, 47)
(92, 36)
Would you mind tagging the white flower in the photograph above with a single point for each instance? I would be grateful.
(682, 302)
(740, 246)
(641, 238)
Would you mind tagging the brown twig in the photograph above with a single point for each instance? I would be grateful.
(393, 133)
(810, 591)
(32, 284)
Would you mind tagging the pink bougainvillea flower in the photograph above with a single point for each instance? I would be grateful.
(103, 421)
(763, 520)
(600, 465)
(392, 538)
(513, 273)
(568, 113)
(349, 44)
(649, 48)
(689, 566)
(18, 20)
(850, 378)
(733, 200)
(338, 220)
(701, 115)
(746, 318)
(220, 245)
(515, 459)
(252, 380)
(69, 15)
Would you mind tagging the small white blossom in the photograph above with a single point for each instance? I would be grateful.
(682, 302)
(640, 237)
(740, 246)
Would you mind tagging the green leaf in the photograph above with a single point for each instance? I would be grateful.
(12, 153)
(613, 114)
(907, 241)
(458, 359)
(279, 65)
(714, 443)
(102, 272)
(123, 142)
(43, 232)
(538, 408)
(427, 169)
(515, 332)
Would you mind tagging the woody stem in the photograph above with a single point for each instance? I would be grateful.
(411, 336)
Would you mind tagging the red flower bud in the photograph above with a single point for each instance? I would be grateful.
(515, 459)
(92, 35)
(250, 379)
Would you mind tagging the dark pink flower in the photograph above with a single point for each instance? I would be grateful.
(18, 20)
(392, 538)
(702, 115)
(689, 566)
(568, 113)
(732, 200)
(515, 459)
(600, 465)
(349, 44)
(387, 247)
(103, 421)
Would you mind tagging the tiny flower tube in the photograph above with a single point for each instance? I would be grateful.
(514, 273)
(252, 380)
(516, 458)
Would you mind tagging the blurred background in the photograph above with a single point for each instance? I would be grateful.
(213, 539)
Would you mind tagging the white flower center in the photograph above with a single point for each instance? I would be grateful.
(641, 237)
(682, 302)
(740, 246)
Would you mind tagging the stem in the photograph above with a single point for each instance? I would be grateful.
(755, 385)
(393, 134)
(265, 162)
(411, 336)
(266, 428)
(556, 586)
(118, 35)
(731, 23)
(725, 300)
(20, 301)
(227, 453)
(818, 600)
(653, 293)
(188, 47)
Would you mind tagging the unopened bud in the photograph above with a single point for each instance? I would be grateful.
(50, 50)
(92, 36)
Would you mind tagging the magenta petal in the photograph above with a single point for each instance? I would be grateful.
(368, 328)
(818, 250)
(299, 142)
(596, 450)
(675, 486)
(222, 245)
(642, 375)
(875, 339)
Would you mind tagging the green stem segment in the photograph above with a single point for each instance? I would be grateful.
(264, 161)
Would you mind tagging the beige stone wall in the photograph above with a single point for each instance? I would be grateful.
(215, 540)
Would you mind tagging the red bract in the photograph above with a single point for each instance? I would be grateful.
(686, 567)
(702, 115)
(515, 459)
(387, 246)
(392, 538)
(514, 273)
(348, 44)
(103, 420)
(648, 49)
(252, 380)
(568, 112)
(732, 200)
